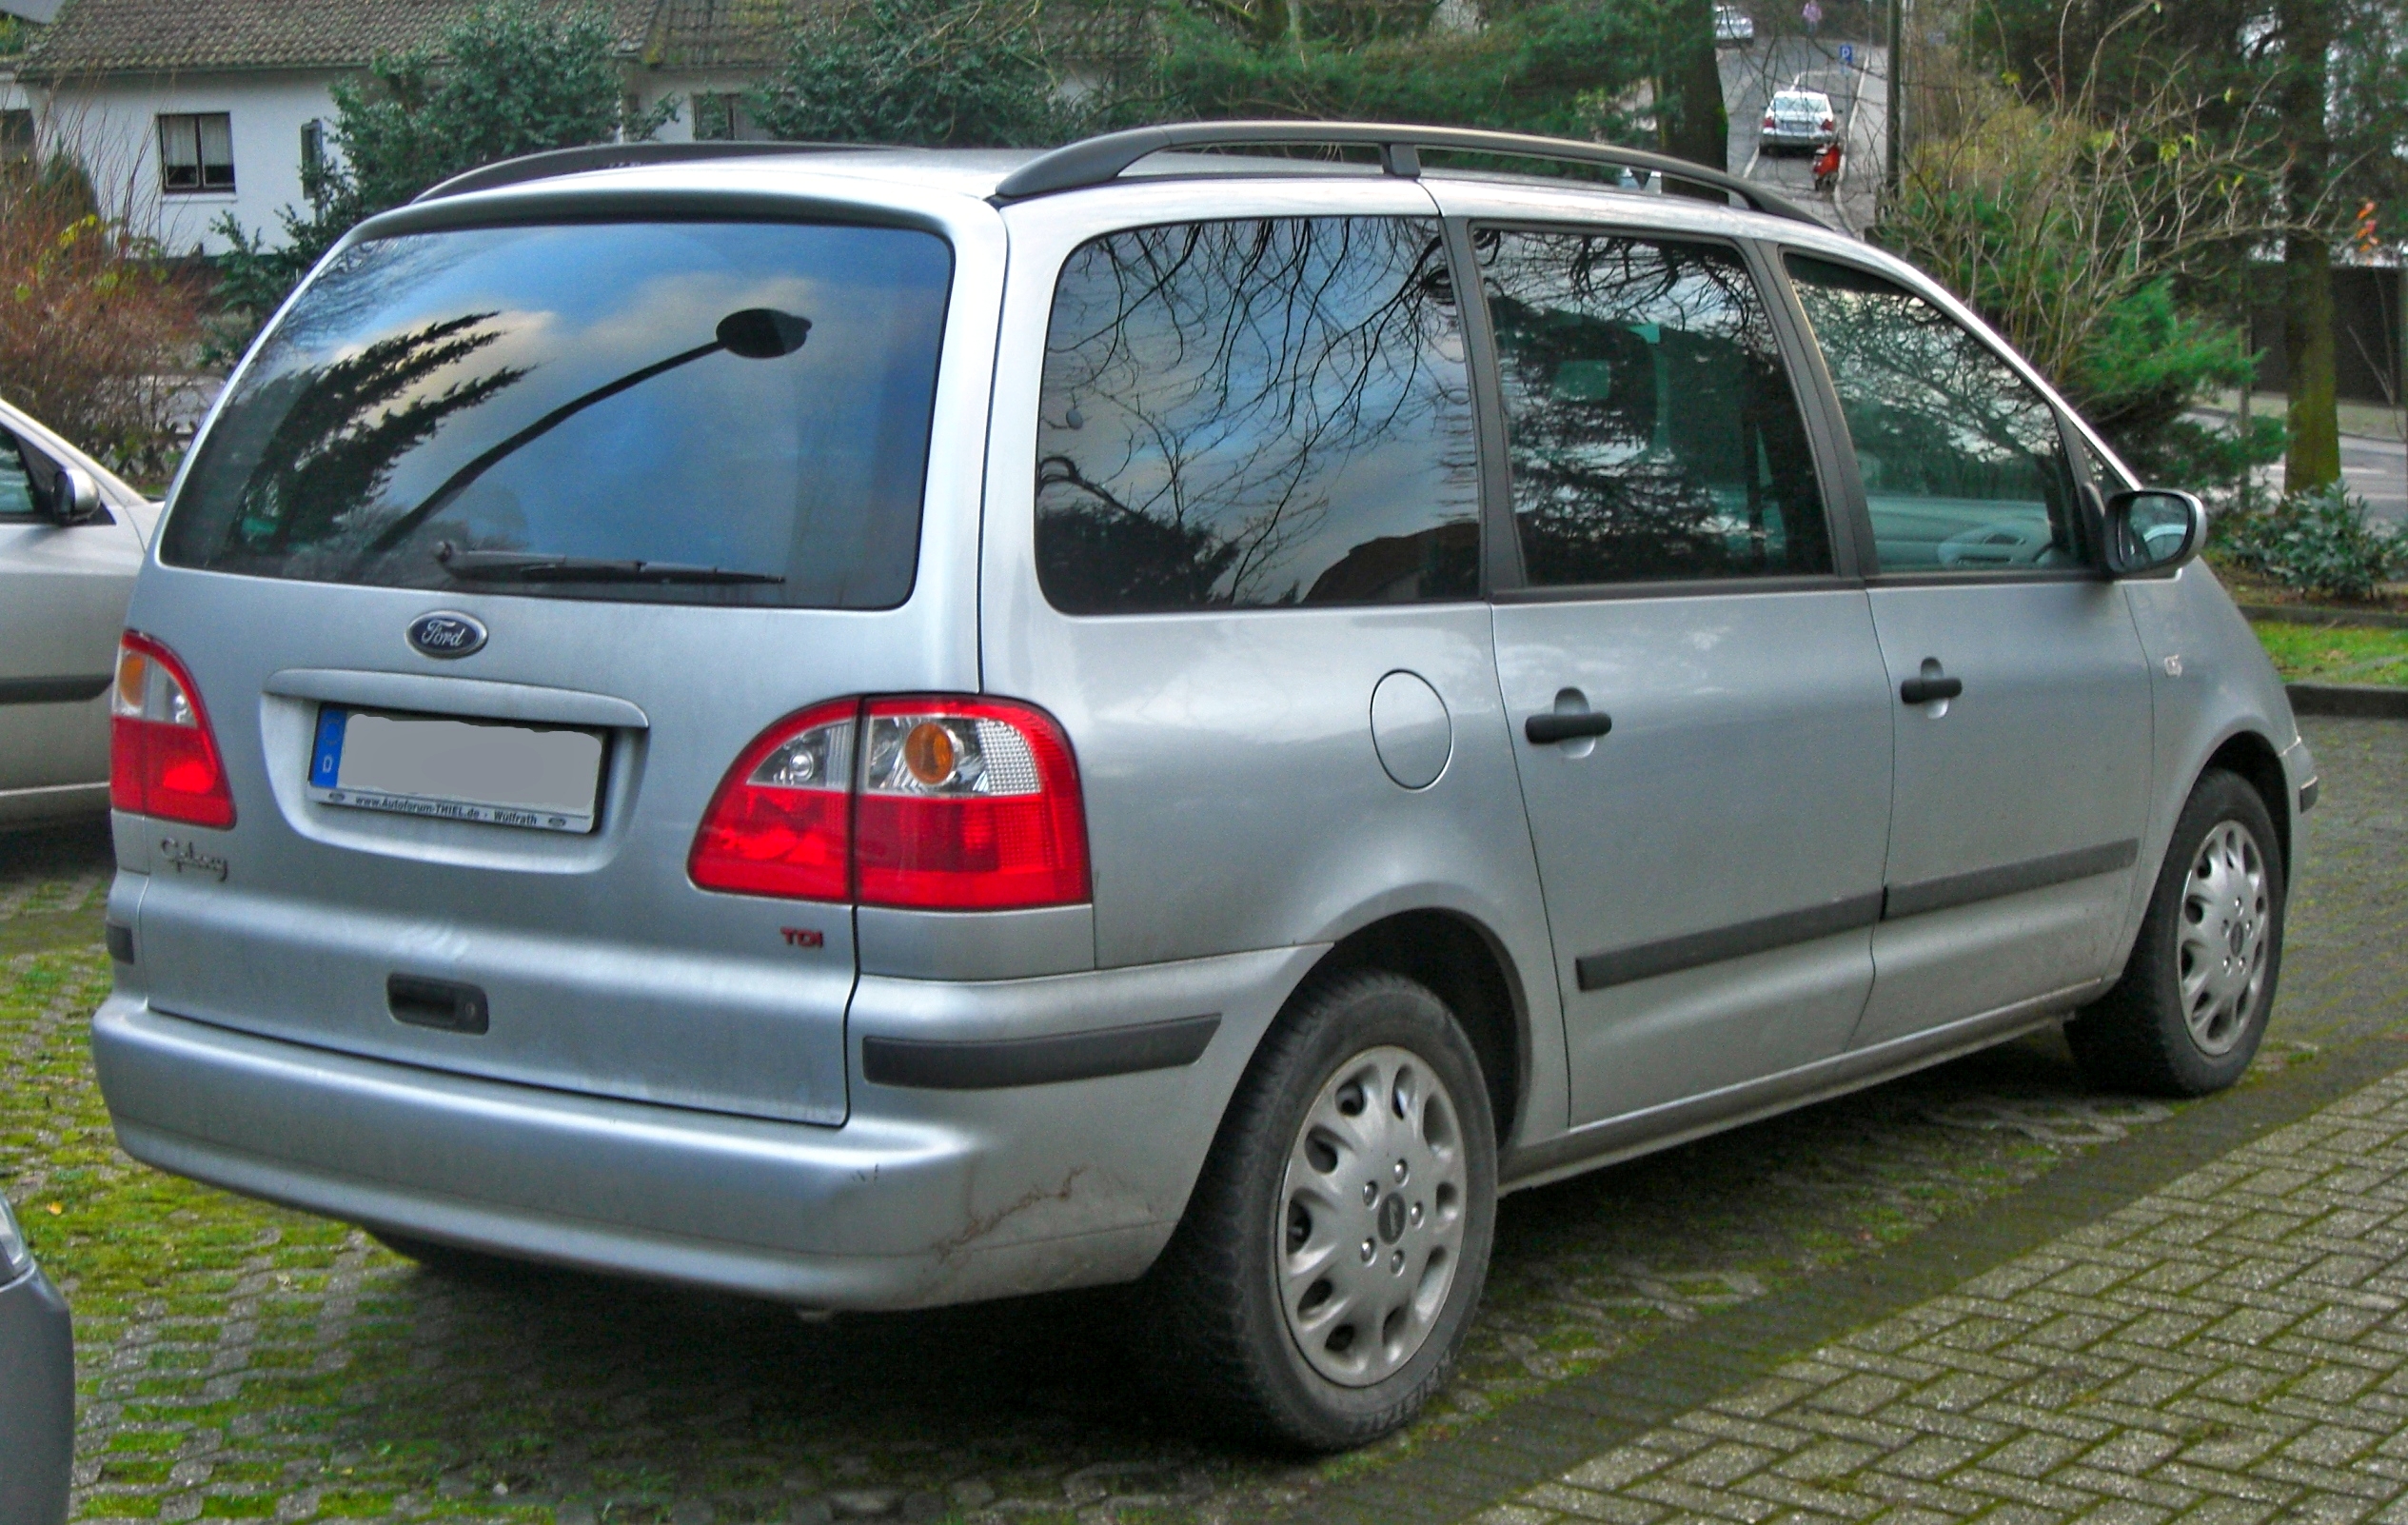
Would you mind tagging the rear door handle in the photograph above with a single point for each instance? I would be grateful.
(1549, 728)
(1931, 685)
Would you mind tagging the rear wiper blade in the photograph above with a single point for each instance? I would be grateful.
(522, 567)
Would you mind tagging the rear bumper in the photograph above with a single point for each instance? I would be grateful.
(927, 1195)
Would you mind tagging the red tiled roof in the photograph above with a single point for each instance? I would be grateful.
(162, 36)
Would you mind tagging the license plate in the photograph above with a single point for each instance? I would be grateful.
(539, 777)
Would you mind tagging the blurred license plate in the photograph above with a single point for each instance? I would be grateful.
(541, 777)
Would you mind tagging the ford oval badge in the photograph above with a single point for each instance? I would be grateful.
(447, 634)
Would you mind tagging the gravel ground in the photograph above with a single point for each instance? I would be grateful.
(241, 1361)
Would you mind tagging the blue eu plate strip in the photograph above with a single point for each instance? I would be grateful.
(326, 758)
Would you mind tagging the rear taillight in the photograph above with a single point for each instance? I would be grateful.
(1829, 124)
(162, 758)
(1768, 121)
(781, 823)
(951, 804)
(968, 804)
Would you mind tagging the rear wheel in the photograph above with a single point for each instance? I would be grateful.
(1322, 1282)
(2191, 1009)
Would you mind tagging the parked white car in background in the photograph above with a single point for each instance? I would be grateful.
(1733, 25)
(71, 537)
(1800, 119)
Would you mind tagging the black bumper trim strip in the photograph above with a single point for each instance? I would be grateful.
(1597, 971)
(933, 1065)
(1952, 890)
(51, 690)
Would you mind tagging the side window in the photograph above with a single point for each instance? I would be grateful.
(1963, 468)
(1653, 430)
(1257, 413)
(21, 492)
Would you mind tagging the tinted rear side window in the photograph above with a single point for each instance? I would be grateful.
(743, 408)
(1253, 413)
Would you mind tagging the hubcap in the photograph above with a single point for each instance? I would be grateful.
(1372, 1216)
(2227, 916)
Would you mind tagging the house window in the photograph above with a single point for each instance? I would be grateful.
(16, 137)
(313, 149)
(196, 154)
(720, 118)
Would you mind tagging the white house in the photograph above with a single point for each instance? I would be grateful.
(185, 110)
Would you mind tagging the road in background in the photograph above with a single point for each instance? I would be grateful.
(1859, 88)
(2375, 470)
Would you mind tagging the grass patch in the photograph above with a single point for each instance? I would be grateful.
(2335, 654)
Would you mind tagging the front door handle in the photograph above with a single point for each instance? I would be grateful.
(1929, 684)
(1552, 726)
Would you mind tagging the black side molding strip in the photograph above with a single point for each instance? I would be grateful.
(933, 1065)
(2008, 878)
(1599, 970)
(51, 690)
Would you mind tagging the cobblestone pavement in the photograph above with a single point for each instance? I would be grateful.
(2231, 1349)
(240, 1361)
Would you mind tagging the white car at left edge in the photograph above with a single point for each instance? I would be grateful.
(71, 537)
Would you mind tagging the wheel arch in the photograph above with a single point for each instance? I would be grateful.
(2259, 763)
(1465, 964)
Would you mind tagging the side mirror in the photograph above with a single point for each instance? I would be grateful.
(2152, 531)
(74, 496)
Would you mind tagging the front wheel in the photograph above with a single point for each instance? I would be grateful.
(2191, 1009)
(1321, 1285)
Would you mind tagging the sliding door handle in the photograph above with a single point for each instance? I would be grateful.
(1929, 686)
(1552, 726)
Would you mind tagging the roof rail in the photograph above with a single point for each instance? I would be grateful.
(607, 156)
(1100, 160)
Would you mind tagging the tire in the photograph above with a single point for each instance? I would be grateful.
(1264, 1305)
(2191, 1009)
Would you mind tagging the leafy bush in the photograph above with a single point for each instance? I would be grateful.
(95, 324)
(968, 74)
(1561, 66)
(2317, 542)
(511, 77)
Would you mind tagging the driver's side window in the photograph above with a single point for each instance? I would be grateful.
(20, 495)
(1963, 468)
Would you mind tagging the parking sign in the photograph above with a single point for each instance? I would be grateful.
(1847, 52)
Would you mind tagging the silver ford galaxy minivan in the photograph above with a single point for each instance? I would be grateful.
(882, 729)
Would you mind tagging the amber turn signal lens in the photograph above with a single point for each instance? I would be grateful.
(928, 751)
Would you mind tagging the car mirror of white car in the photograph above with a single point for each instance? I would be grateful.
(2152, 531)
(74, 497)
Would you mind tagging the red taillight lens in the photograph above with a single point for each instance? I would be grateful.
(1768, 122)
(968, 804)
(781, 823)
(163, 757)
(956, 804)
(1828, 125)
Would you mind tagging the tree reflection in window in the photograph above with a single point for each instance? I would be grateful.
(349, 423)
(1256, 412)
(1653, 431)
(1963, 465)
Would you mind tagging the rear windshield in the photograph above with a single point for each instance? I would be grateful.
(692, 412)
